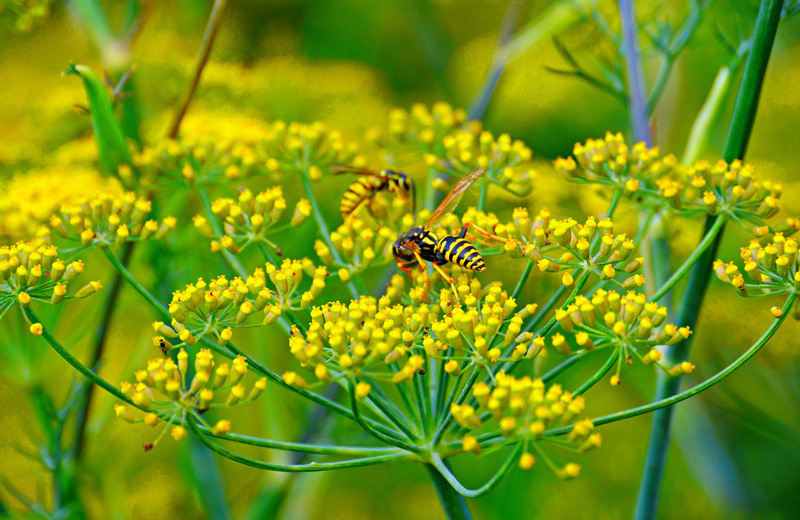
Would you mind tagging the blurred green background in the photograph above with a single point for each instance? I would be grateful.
(736, 450)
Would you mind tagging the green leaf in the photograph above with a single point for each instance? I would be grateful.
(111, 147)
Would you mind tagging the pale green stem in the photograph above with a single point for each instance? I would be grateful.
(293, 468)
(322, 227)
(709, 238)
(488, 486)
(691, 392)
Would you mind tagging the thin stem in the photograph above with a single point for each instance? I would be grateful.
(522, 279)
(100, 335)
(369, 429)
(479, 104)
(212, 27)
(292, 468)
(738, 136)
(599, 374)
(232, 259)
(482, 196)
(709, 238)
(144, 293)
(303, 447)
(453, 505)
(116, 392)
(461, 397)
(637, 102)
(708, 383)
(501, 472)
(322, 226)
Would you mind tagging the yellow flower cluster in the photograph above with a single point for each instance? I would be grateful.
(565, 244)
(200, 159)
(610, 161)
(27, 201)
(361, 244)
(296, 147)
(250, 219)
(502, 159)
(721, 188)
(108, 219)
(364, 335)
(419, 130)
(220, 305)
(164, 390)
(628, 323)
(650, 179)
(32, 271)
(770, 268)
(523, 409)
(481, 328)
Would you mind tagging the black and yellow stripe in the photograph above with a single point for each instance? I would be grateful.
(460, 251)
(360, 192)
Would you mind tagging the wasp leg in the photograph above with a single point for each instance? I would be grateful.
(447, 278)
(406, 268)
(488, 238)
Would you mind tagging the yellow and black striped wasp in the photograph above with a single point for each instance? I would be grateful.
(362, 191)
(420, 245)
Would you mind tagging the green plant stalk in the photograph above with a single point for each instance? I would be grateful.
(322, 226)
(232, 259)
(212, 27)
(691, 392)
(243, 439)
(482, 196)
(501, 472)
(523, 279)
(738, 136)
(479, 104)
(100, 335)
(598, 375)
(164, 313)
(711, 237)
(453, 504)
(369, 429)
(558, 17)
(292, 468)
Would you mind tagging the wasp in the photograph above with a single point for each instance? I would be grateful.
(420, 245)
(369, 183)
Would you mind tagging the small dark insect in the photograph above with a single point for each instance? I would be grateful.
(371, 182)
(148, 446)
(421, 372)
(163, 345)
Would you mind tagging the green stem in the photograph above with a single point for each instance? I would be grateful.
(691, 392)
(369, 429)
(232, 259)
(711, 237)
(522, 279)
(317, 449)
(453, 505)
(482, 196)
(439, 464)
(100, 335)
(322, 226)
(114, 391)
(599, 374)
(292, 468)
(212, 27)
(144, 293)
(738, 136)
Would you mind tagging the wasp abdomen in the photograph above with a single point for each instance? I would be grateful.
(460, 251)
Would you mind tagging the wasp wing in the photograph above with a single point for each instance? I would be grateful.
(454, 197)
(339, 169)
